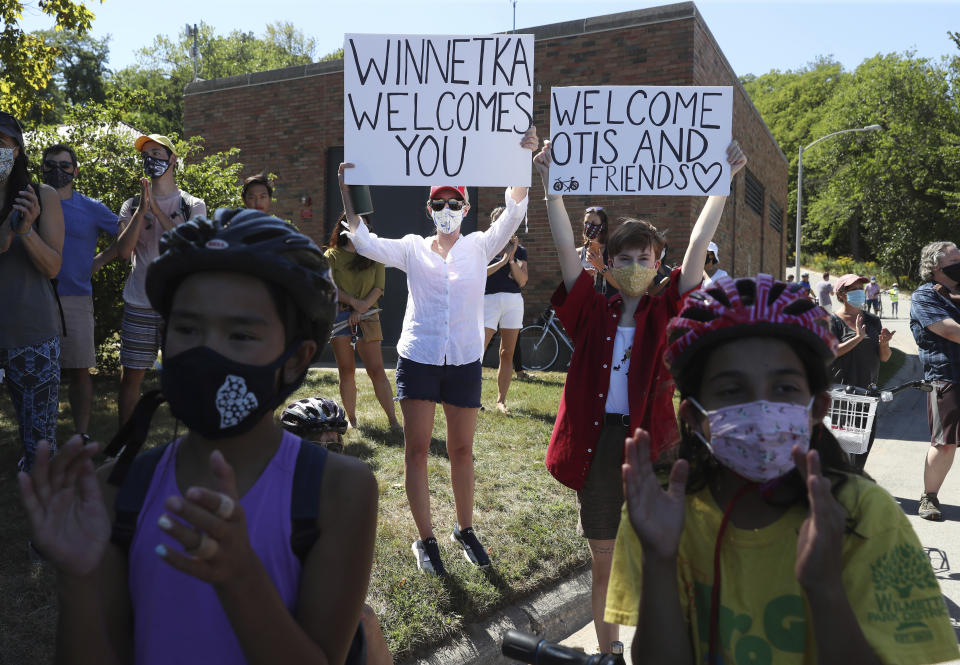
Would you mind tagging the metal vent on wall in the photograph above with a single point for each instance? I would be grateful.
(754, 194)
(776, 217)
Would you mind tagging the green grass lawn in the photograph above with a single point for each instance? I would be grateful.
(527, 519)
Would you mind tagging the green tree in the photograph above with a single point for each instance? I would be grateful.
(77, 75)
(888, 193)
(165, 67)
(791, 104)
(110, 170)
(27, 62)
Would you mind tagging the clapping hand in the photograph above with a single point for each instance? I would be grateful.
(885, 336)
(69, 524)
(820, 541)
(656, 515)
(212, 528)
(861, 326)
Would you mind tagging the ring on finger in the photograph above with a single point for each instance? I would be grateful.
(207, 548)
(226, 507)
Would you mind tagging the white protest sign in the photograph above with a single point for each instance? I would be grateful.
(428, 109)
(629, 140)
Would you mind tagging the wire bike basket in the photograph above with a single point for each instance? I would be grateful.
(850, 418)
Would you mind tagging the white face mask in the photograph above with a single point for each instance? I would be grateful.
(446, 220)
(6, 163)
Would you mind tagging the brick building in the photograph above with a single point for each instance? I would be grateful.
(290, 122)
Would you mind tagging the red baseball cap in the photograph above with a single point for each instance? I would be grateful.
(848, 280)
(462, 191)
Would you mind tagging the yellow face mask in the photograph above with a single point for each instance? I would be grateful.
(634, 279)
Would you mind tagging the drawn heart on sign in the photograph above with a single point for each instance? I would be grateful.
(706, 174)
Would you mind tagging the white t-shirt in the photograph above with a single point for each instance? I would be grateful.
(708, 281)
(617, 397)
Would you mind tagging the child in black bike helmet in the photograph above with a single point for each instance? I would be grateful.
(765, 546)
(317, 419)
(206, 571)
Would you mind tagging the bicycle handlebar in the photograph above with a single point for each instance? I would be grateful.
(531, 649)
(919, 384)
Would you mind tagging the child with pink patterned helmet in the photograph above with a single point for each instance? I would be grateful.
(763, 523)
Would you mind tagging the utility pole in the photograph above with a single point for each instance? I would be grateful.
(195, 49)
(514, 3)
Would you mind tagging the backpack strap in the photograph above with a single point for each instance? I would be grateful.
(184, 207)
(133, 492)
(130, 438)
(305, 498)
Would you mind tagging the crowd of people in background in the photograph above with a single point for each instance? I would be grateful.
(253, 514)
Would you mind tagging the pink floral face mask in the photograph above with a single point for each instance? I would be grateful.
(755, 439)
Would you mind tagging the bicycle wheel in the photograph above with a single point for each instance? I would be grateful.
(538, 347)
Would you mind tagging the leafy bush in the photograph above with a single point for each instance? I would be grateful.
(110, 171)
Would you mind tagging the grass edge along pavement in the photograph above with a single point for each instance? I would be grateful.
(527, 520)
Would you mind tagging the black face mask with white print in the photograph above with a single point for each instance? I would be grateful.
(155, 167)
(217, 397)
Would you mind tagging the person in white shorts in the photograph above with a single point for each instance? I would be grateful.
(503, 307)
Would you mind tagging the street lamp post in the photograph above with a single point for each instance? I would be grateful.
(868, 128)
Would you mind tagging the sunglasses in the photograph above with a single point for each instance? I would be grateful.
(49, 165)
(438, 204)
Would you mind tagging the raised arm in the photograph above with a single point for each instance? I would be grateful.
(388, 251)
(515, 207)
(560, 229)
(691, 273)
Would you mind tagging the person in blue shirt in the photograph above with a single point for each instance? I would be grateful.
(83, 219)
(935, 324)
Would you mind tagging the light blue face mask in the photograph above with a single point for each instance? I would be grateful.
(856, 298)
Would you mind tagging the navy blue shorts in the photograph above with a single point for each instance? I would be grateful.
(457, 385)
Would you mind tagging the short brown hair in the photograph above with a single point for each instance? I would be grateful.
(635, 234)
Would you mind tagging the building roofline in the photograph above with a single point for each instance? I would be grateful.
(638, 17)
(665, 13)
(736, 78)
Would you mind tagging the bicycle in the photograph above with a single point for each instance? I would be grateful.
(561, 185)
(531, 649)
(539, 345)
(853, 410)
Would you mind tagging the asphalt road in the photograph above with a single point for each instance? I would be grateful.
(896, 463)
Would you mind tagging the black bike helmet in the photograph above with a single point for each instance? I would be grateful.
(314, 414)
(252, 243)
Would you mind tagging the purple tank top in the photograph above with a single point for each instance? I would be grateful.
(178, 618)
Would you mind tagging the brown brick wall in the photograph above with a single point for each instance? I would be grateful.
(286, 126)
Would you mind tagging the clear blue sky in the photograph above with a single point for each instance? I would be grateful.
(756, 36)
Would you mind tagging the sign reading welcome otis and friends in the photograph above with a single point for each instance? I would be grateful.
(631, 140)
(421, 110)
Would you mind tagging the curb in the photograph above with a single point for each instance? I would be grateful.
(553, 614)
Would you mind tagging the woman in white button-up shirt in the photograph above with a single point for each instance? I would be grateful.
(441, 345)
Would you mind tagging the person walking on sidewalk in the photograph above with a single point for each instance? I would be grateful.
(824, 291)
(935, 324)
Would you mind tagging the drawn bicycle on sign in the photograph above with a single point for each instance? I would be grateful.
(561, 185)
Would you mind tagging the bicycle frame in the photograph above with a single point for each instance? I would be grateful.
(551, 324)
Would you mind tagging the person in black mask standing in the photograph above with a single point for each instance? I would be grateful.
(159, 207)
(935, 324)
(83, 218)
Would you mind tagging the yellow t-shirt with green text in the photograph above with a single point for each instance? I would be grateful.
(764, 616)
